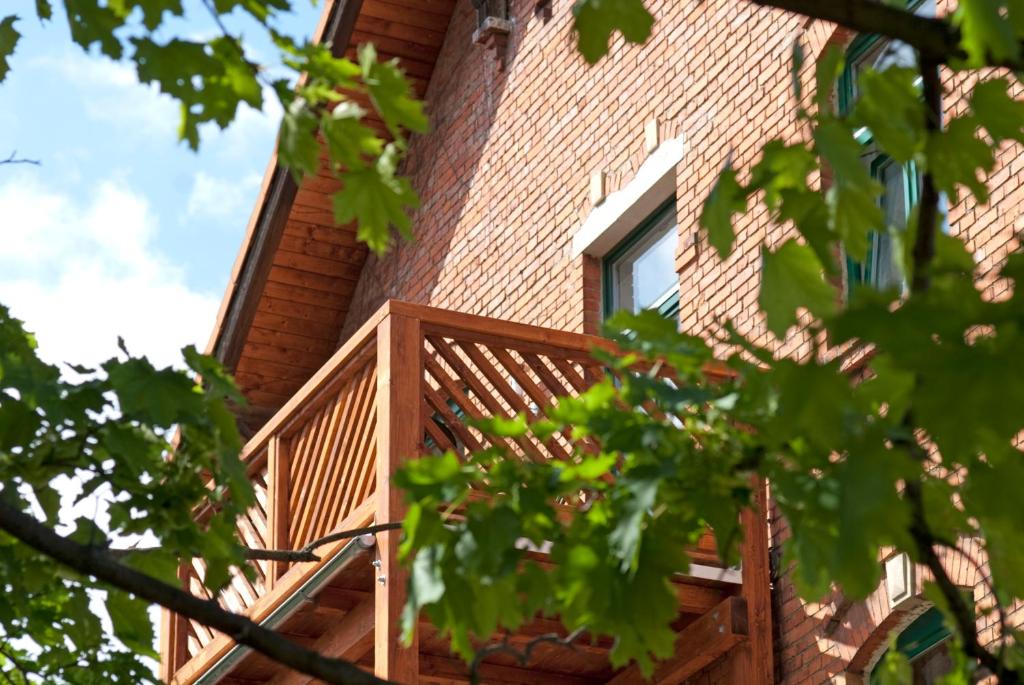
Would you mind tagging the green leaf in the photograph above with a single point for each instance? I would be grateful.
(152, 10)
(132, 626)
(92, 23)
(792, 277)
(889, 105)
(853, 197)
(376, 200)
(727, 198)
(9, 37)
(390, 92)
(596, 20)
(1000, 114)
(44, 10)
(828, 68)
(984, 33)
(162, 397)
(781, 168)
(956, 156)
(349, 141)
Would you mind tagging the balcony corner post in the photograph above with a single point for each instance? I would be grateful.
(173, 636)
(278, 474)
(399, 433)
(753, 661)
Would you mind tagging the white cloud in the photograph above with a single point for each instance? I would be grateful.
(80, 274)
(112, 94)
(222, 198)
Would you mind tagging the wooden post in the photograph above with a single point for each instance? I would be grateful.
(173, 636)
(278, 465)
(399, 433)
(753, 661)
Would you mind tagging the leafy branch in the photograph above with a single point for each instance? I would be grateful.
(99, 563)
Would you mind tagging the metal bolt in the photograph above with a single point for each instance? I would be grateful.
(376, 563)
(382, 580)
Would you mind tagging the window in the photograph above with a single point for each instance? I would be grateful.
(640, 273)
(900, 182)
(925, 643)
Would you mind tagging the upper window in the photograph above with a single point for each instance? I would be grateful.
(900, 183)
(925, 643)
(640, 273)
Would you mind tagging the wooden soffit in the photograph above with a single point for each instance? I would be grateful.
(296, 271)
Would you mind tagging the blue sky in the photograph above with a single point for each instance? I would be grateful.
(122, 230)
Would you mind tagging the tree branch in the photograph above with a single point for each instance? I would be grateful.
(100, 564)
(935, 39)
(923, 537)
(14, 159)
(521, 655)
(304, 554)
(928, 207)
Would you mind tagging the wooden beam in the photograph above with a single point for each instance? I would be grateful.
(399, 437)
(279, 516)
(754, 663)
(255, 266)
(699, 645)
(173, 635)
(350, 639)
(698, 599)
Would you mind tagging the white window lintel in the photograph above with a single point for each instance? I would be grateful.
(622, 211)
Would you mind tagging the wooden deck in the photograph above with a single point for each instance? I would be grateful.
(323, 463)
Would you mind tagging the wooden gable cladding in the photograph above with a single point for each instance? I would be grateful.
(297, 270)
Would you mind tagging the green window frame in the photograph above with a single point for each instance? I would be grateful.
(868, 272)
(668, 305)
(926, 632)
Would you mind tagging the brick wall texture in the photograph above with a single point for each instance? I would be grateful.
(504, 181)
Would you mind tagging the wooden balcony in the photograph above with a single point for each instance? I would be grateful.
(323, 463)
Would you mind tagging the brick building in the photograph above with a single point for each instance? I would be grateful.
(552, 192)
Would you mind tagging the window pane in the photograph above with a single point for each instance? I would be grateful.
(894, 202)
(654, 272)
(644, 274)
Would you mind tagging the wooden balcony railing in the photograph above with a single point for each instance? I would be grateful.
(396, 389)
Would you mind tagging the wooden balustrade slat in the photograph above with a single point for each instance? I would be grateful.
(540, 396)
(545, 374)
(307, 486)
(569, 373)
(324, 463)
(299, 465)
(300, 485)
(342, 455)
(278, 456)
(440, 438)
(485, 396)
(359, 448)
(514, 399)
(453, 392)
(333, 458)
(453, 423)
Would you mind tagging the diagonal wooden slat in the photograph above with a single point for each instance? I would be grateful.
(483, 394)
(334, 456)
(347, 454)
(454, 424)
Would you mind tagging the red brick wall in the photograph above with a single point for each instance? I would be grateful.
(504, 182)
